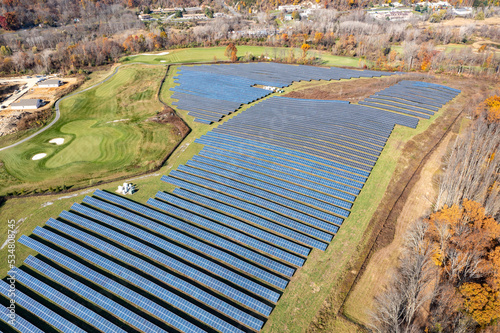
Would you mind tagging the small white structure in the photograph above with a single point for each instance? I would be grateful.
(52, 83)
(391, 15)
(274, 89)
(27, 104)
(290, 8)
(462, 11)
(145, 17)
(127, 188)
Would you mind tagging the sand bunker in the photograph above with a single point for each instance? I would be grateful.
(57, 141)
(38, 156)
(163, 61)
(150, 54)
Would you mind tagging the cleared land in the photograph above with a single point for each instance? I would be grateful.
(96, 146)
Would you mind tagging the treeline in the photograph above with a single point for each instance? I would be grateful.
(449, 274)
(389, 45)
(107, 32)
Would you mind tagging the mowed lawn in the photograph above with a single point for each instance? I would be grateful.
(106, 135)
(209, 54)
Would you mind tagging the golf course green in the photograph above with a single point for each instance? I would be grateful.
(106, 135)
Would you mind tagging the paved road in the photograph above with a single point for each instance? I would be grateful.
(58, 112)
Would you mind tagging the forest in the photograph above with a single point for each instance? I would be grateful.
(69, 36)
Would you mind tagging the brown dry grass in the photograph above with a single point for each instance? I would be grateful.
(349, 90)
(460, 21)
(383, 262)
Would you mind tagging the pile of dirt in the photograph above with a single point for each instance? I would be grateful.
(168, 116)
(7, 89)
(350, 90)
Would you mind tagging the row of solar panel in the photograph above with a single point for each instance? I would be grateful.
(216, 164)
(278, 168)
(414, 98)
(308, 137)
(332, 167)
(351, 156)
(325, 132)
(373, 119)
(240, 183)
(278, 160)
(282, 73)
(225, 84)
(115, 252)
(269, 187)
(187, 270)
(301, 151)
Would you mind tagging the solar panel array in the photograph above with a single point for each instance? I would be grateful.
(418, 99)
(216, 254)
(210, 92)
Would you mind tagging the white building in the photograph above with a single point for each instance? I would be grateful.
(391, 15)
(462, 11)
(27, 104)
(289, 8)
(53, 83)
(435, 5)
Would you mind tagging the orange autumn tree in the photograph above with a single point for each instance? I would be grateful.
(490, 108)
(305, 47)
(493, 108)
(230, 52)
(467, 250)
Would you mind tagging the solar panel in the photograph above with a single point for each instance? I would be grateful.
(154, 271)
(93, 296)
(112, 286)
(203, 248)
(39, 310)
(20, 323)
(187, 270)
(65, 302)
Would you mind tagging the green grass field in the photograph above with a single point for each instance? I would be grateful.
(217, 53)
(106, 134)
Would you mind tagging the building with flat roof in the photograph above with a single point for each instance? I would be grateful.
(27, 104)
(52, 83)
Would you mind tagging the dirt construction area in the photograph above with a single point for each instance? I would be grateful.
(12, 121)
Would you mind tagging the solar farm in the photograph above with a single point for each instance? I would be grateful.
(210, 92)
(272, 184)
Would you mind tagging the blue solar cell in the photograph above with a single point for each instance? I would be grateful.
(19, 323)
(39, 310)
(65, 302)
(93, 296)
(240, 225)
(285, 206)
(238, 209)
(112, 286)
(154, 271)
(187, 270)
(202, 247)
